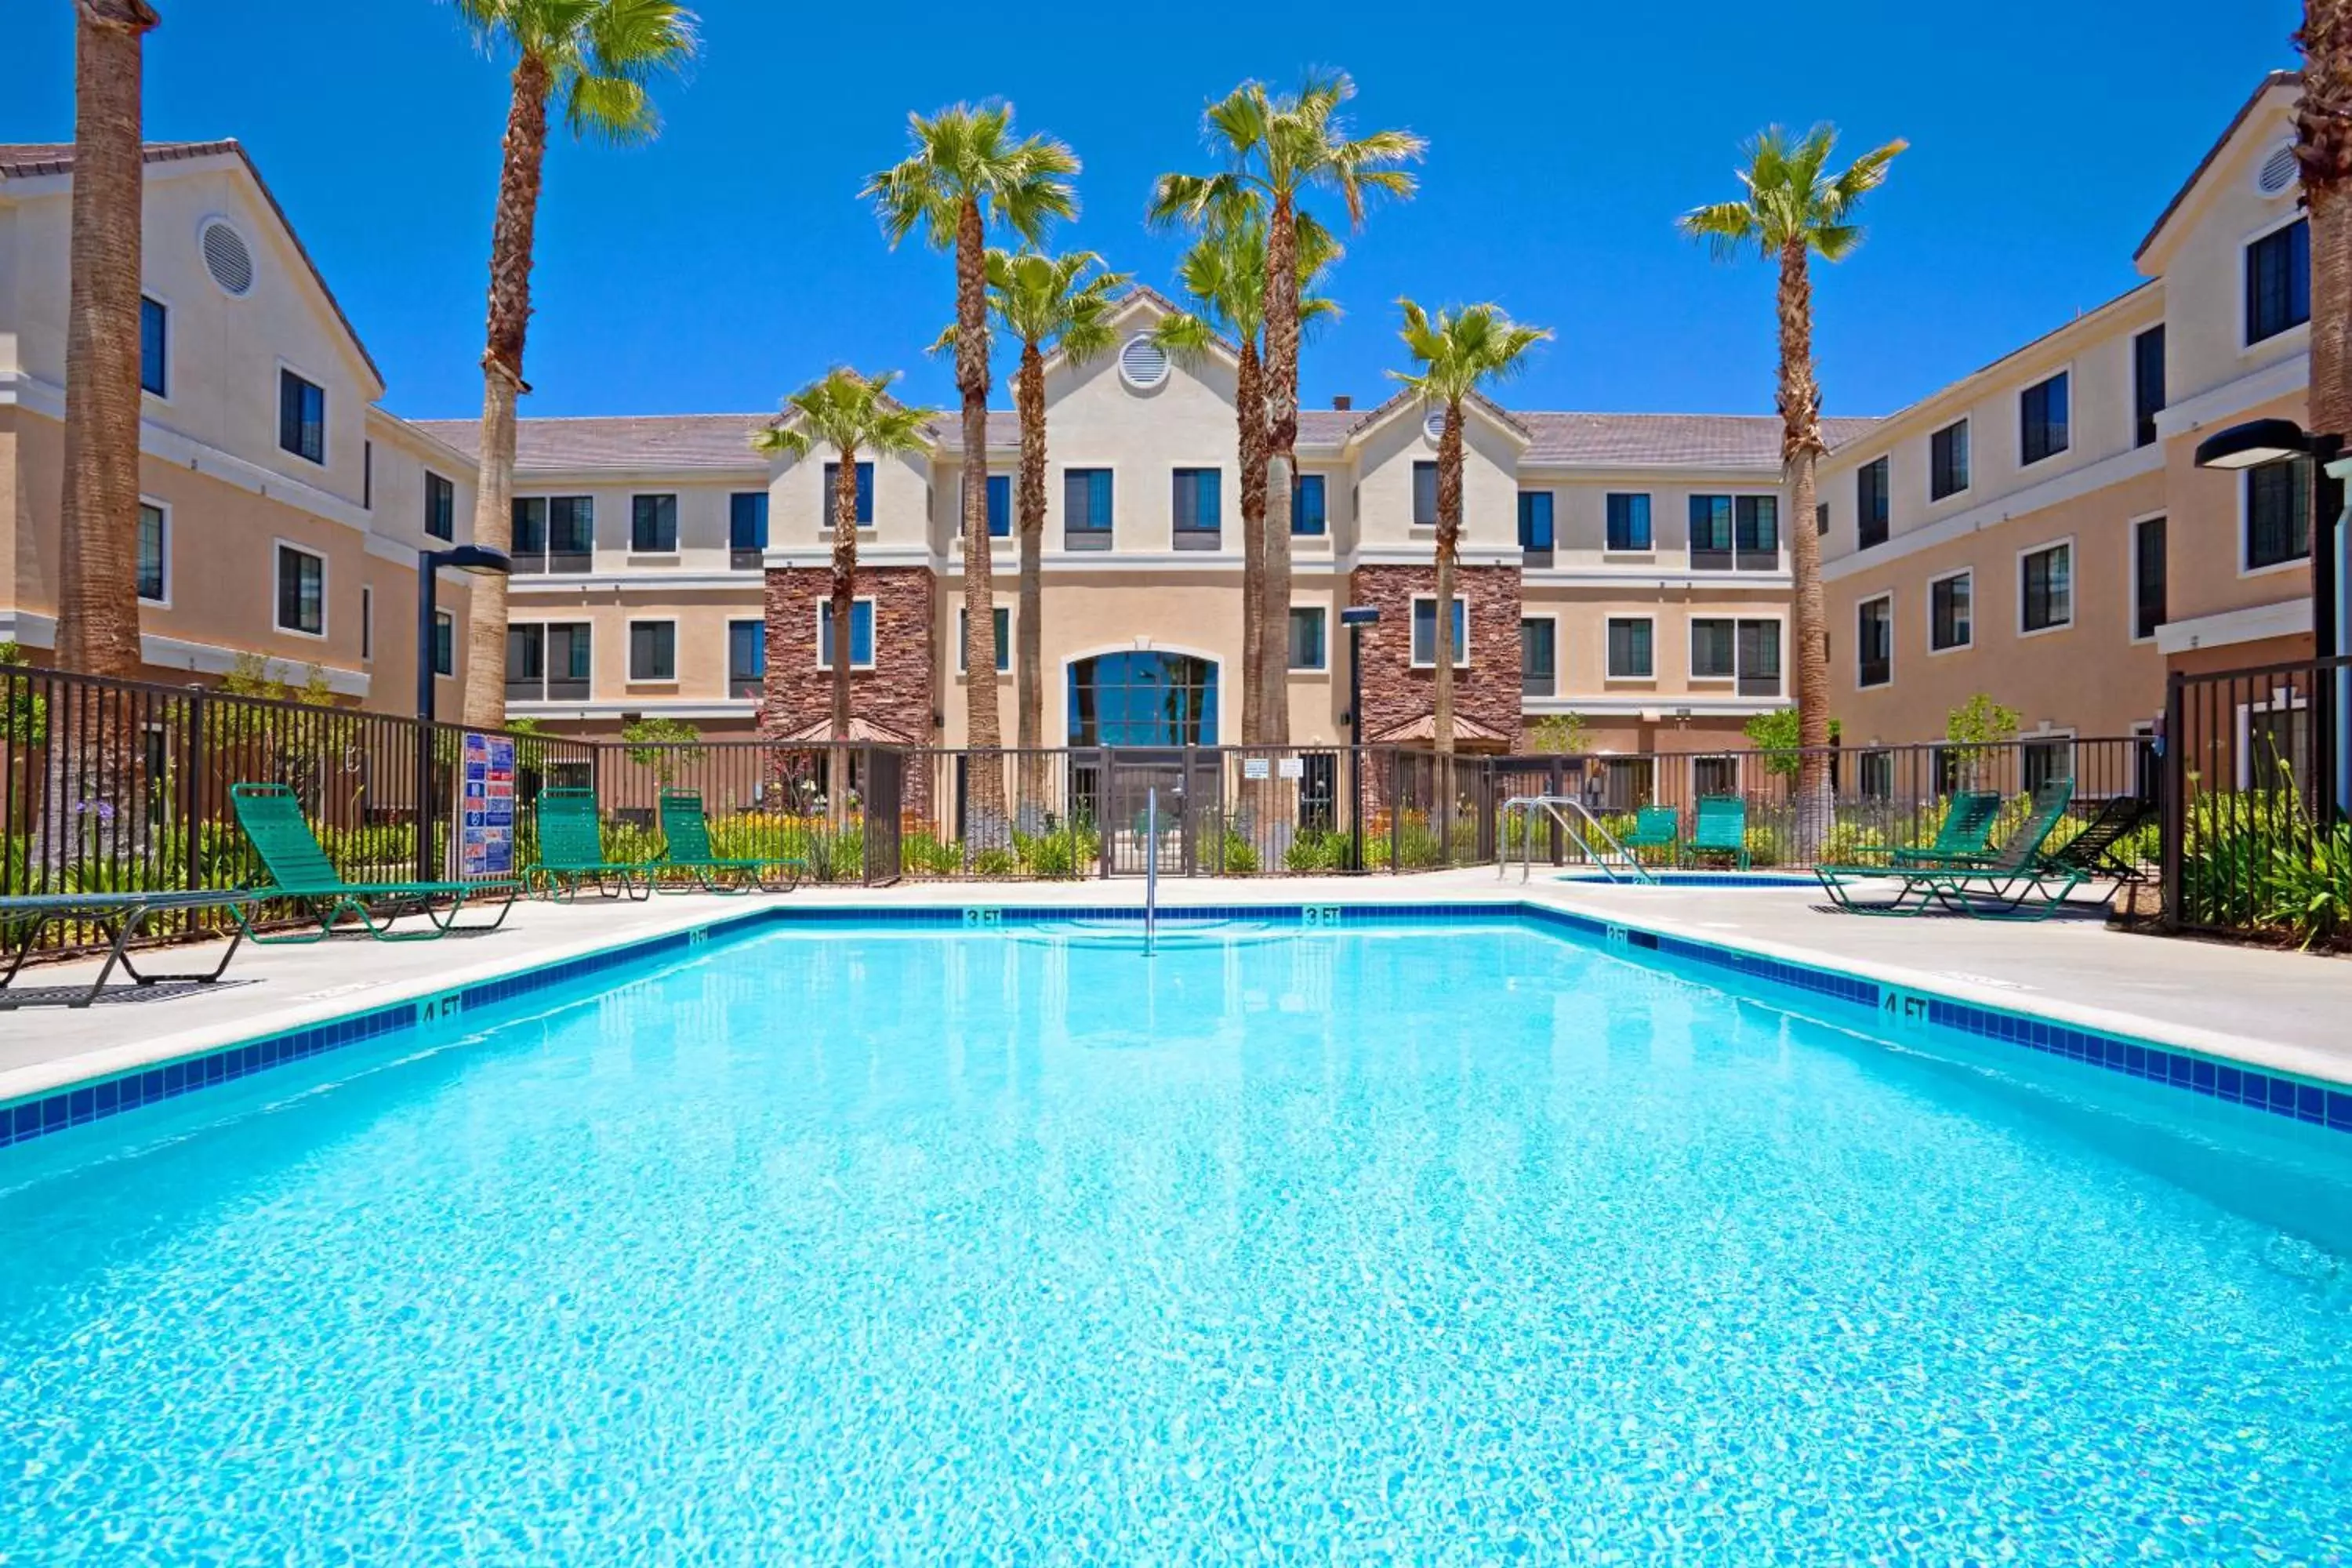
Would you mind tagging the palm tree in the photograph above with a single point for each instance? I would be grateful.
(1794, 207)
(2323, 149)
(98, 586)
(597, 58)
(1279, 148)
(969, 172)
(1223, 273)
(851, 413)
(1459, 350)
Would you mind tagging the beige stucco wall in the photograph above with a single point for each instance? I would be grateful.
(702, 618)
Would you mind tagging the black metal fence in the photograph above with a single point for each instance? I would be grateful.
(2256, 838)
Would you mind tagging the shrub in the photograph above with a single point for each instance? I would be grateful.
(1240, 858)
(2257, 860)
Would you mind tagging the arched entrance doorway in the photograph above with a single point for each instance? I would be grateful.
(1131, 715)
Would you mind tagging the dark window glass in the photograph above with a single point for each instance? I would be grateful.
(1870, 502)
(2278, 513)
(440, 506)
(865, 494)
(2278, 281)
(1086, 507)
(1424, 494)
(1873, 637)
(747, 658)
(1142, 698)
(302, 591)
(1628, 521)
(1424, 632)
(1712, 650)
(1631, 656)
(2047, 587)
(1004, 619)
(1536, 526)
(571, 526)
(2147, 576)
(1756, 532)
(861, 632)
(1822, 518)
(445, 642)
(653, 525)
(1306, 651)
(1306, 512)
(367, 475)
(2043, 420)
(1198, 501)
(1759, 658)
(747, 522)
(301, 417)
(1950, 613)
(1538, 655)
(1710, 530)
(1948, 461)
(151, 552)
(653, 650)
(154, 348)
(2147, 384)
(1000, 505)
(526, 520)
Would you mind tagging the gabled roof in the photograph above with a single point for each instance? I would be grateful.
(618, 443)
(2237, 122)
(1668, 440)
(35, 159)
(1405, 396)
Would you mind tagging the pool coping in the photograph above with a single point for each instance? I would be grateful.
(2292, 1081)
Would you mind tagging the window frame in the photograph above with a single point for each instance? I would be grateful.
(735, 551)
(1553, 619)
(874, 628)
(163, 510)
(1861, 662)
(1436, 504)
(1690, 650)
(1967, 642)
(2073, 592)
(1106, 530)
(1322, 614)
(1649, 522)
(1003, 618)
(277, 589)
(1521, 525)
(629, 653)
(2247, 342)
(1412, 620)
(759, 677)
(1939, 464)
(2303, 498)
(1873, 515)
(163, 351)
(1193, 534)
(994, 485)
(288, 371)
(867, 502)
(1608, 668)
(637, 500)
(2144, 430)
(367, 624)
(1322, 529)
(2132, 526)
(445, 622)
(2065, 373)
(432, 479)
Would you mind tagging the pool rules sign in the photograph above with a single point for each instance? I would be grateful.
(486, 806)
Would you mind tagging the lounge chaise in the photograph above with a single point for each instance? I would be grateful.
(2017, 880)
(119, 916)
(687, 835)
(1721, 831)
(301, 874)
(572, 852)
(1965, 834)
(2095, 851)
(1655, 827)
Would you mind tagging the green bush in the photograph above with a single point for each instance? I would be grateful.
(2257, 861)
(1319, 850)
(1240, 858)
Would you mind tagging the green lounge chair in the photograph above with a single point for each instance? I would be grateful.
(1721, 830)
(118, 917)
(2017, 880)
(2093, 850)
(572, 852)
(301, 873)
(688, 839)
(1655, 827)
(1965, 834)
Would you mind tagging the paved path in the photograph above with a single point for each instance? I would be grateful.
(2286, 1011)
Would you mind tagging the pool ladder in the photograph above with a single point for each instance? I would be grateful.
(1566, 812)
(1151, 872)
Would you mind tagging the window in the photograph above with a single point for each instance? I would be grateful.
(1822, 517)
(861, 633)
(1746, 651)
(445, 642)
(1308, 649)
(1424, 495)
(747, 658)
(1000, 505)
(1630, 655)
(1424, 631)
(1950, 612)
(301, 592)
(1948, 461)
(547, 662)
(1004, 619)
(2147, 384)
(653, 650)
(1741, 533)
(2046, 761)
(1628, 521)
(440, 506)
(1714, 776)
(1874, 635)
(746, 528)
(653, 525)
(1870, 502)
(1200, 507)
(154, 579)
(367, 475)
(301, 417)
(367, 624)
(2042, 420)
(2278, 513)
(1710, 528)
(1877, 770)
(865, 494)
(154, 347)
(553, 534)
(2046, 588)
(1538, 655)
(1086, 509)
(2147, 576)
(1306, 511)
(1142, 698)
(1534, 527)
(2278, 281)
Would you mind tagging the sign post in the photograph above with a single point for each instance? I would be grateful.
(486, 806)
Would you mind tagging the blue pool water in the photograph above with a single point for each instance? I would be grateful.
(1444, 1243)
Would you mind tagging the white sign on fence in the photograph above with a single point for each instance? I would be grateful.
(1254, 768)
(1293, 767)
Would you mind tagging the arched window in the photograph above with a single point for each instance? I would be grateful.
(1143, 697)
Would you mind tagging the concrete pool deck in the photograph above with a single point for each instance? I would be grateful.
(2282, 1010)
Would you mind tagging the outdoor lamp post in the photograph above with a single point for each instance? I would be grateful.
(482, 562)
(1355, 617)
(2250, 446)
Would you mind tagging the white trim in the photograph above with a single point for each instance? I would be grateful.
(1617, 702)
(1608, 576)
(1323, 639)
(873, 619)
(629, 675)
(34, 630)
(1412, 616)
(2055, 490)
(2283, 700)
(673, 706)
(2255, 623)
(2246, 243)
(2017, 425)
(277, 589)
(2281, 378)
(1967, 419)
(1698, 613)
(1886, 597)
(171, 348)
(2131, 572)
(536, 582)
(2245, 488)
(2073, 585)
(163, 507)
(1970, 640)
(653, 554)
(325, 461)
(1610, 678)
(1780, 531)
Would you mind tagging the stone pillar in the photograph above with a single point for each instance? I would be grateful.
(899, 694)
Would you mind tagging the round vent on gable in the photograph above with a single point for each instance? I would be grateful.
(2276, 174)
(226, 257)
(1142, 363)
(1434, 426)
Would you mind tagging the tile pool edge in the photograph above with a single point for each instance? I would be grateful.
(51, 1097)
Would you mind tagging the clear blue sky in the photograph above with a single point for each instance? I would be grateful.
(731, 261)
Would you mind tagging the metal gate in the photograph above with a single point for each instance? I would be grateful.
(1187, 783)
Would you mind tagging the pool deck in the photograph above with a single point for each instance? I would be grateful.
(2283, 1011)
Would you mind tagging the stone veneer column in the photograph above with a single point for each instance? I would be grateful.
(899, 693)
(1486, 689)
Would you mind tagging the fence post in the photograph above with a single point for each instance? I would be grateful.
(193, 764)
(1396, 813)
(2175, 807)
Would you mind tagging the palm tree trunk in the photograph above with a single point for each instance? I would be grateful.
(1028, 633)
(845, 610)
(2324, 123)
(523, 154)
(1249, 417)
(98, 586)
(1449, 543)
(983, 732)
(1282, 460)
(1800, 449)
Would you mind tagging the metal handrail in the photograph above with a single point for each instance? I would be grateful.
(1151, 871)
(1526, 806)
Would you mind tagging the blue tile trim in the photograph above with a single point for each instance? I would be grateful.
(2314, 1104)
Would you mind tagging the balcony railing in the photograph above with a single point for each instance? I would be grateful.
(1076, 538)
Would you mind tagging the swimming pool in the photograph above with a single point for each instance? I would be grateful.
(1405, 1241)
